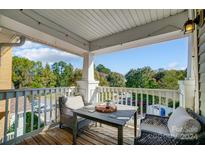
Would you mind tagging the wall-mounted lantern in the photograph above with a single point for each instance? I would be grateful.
(189, 25)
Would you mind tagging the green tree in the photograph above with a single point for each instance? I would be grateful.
(101, 78)
(103, 69)
(63, 73)
(22, 72)
(37, 75)
(48, 77)
(116, 79)
(171, 78)
(141, 78)
(35, 122)
(28, 123)
(77, 75)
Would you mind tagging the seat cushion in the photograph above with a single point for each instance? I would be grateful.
(160, 129)
(74, 102)
(182, 125)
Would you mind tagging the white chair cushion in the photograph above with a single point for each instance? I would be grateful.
(182, 125)
(74, 102)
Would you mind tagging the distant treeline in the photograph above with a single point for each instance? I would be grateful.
(27, 73)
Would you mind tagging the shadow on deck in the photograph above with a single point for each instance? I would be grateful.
(104, 135)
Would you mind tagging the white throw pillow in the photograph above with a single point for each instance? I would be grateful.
(182, 125)
(74, 102)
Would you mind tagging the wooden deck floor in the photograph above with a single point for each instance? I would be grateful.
(104, 135)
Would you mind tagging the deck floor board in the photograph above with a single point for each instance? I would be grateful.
(91, 136)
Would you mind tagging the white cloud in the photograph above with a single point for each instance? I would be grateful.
(175, 66)
(45, 54)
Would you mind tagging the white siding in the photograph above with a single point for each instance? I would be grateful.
(202, 69)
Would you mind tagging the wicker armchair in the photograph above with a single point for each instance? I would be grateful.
(66, 116)
(160, 137)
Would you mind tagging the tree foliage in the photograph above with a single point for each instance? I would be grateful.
(147, 78)
(48, 77)
(101, 68)
(108, 78)
(22, 72)
(141, 78)
(101, 78)
(63, 73)
(116, 79)
(27, 73)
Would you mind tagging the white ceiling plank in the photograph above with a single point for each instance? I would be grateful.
(100, 21)
(166, 13)
(141, 17)
(62, 19)
(68, 22)
(173, 11)
(147, 15)
(160, 14)
(123, 18)
(128, 16)
(134, 17)
(80, 23)
(106, 19)
(78, 16)
(50, 23)
(115, 18)
(153, 13)
(92, 24)
(90, 34)
(112, 18)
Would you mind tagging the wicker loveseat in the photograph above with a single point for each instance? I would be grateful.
(155, 131)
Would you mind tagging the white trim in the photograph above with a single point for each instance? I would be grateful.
(142, 42)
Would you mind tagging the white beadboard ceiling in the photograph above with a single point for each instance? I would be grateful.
(78, 30)
(95, 24)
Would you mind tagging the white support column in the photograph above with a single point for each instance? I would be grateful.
(88, 84)
(189, 87)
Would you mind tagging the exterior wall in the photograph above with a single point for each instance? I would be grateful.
(5, 81)
(201, 63)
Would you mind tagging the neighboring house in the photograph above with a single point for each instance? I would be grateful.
(5, 81)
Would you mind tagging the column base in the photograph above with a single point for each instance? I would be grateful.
(88, 90)
(187, 93)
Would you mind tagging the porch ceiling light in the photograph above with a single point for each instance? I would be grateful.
(189, 26)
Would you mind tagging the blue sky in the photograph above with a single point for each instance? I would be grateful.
(167, 55)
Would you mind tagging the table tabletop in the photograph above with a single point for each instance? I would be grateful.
(120, 117)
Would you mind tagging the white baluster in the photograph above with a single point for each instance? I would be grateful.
(6, 117)
(39, 109)
(141, 104)
(24, 112)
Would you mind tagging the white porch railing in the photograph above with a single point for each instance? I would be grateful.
(147, 100)
(39, 106)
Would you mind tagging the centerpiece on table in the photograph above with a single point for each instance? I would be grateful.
(107, 107)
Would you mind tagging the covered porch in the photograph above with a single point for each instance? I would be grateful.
(88, 33)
